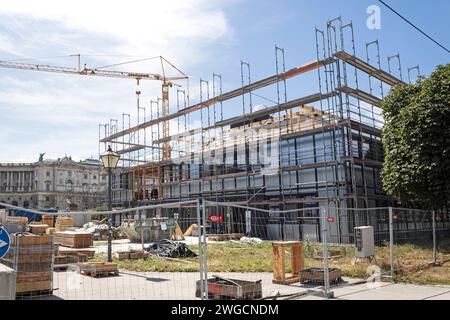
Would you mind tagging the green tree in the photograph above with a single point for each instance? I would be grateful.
(416, 140)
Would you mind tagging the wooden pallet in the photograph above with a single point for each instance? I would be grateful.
(89, 253)
(99, 269)
(74, 239)
(131, 255)
(63, 223)
(225, 237)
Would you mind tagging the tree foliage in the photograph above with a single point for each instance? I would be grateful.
(416, 140)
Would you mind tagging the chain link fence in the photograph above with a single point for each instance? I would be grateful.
(212, 250)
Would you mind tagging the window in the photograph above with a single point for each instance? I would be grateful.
(69, 185)
(85, 176)
(94, 177)
(69, 173)
(48, 173)
(47, 199)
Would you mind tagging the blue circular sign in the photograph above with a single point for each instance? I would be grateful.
(4, 242)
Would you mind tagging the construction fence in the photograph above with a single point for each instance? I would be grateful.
(214, 250)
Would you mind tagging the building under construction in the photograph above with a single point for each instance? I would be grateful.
(322, 148)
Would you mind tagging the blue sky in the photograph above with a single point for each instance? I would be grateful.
(59, 114)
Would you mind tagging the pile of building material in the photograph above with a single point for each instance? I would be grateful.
(150, 230)
(48, 220)
(63, 223)
(74, 239)
(97, 269)
(100, 230)
(15, 224)
(38, 228)
(170, 249)
(32, 257)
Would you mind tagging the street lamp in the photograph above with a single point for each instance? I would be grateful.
(109, 160)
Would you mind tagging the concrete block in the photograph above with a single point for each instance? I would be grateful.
(7, 283)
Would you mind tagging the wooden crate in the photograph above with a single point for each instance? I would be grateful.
(50, 231)
(279, 262)
(98, 269)
(74, 239)
(38, 228)
(316, 276)
(48, 220)
(63, 223)
(230, 289)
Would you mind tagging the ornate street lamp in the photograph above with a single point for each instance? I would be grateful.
(109, 160)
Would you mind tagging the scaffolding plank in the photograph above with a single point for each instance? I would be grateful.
(226, 96)
(361, 95)
(130, 149)
(271, 110)
(369, 69)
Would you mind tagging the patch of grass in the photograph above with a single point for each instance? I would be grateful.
(236, 257)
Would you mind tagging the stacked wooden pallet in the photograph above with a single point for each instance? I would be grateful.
(48, 220)
(19, 220)
(69, 251)
(50, 231)
(63, 223)
(37, 228)
(74, 239)
(32, 257)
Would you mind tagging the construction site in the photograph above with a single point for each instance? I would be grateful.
(290, 152)
(211, 198)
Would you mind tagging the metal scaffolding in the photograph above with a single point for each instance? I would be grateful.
(326, 145)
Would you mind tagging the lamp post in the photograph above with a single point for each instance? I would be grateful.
(109, 160)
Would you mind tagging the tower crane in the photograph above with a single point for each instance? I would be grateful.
(167, 82)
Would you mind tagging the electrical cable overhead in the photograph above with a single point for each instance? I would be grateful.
(414, 26)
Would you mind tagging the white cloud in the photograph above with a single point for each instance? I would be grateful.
(140, 27)
(177, 29)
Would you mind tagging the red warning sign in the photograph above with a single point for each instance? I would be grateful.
(214, 218)
(331, 219)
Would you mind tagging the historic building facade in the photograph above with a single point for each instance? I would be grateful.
(62, 184)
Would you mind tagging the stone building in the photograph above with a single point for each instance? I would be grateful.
(62, 183)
